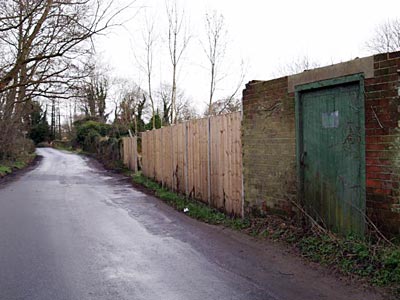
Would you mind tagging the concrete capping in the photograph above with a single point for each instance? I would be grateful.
(363, 65)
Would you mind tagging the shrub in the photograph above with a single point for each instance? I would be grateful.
(92, 128)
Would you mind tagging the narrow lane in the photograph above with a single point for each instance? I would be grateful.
(71, 230)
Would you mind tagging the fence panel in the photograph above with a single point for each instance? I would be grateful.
(200, 158)
(145, 149)
(129, 152)
(167, 157)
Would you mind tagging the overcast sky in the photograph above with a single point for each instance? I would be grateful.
(266, 35)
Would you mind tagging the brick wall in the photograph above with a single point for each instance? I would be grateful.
(269, 148)
(269, 157)
(381, 125)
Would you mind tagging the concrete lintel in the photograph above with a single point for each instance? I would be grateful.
(359, 65)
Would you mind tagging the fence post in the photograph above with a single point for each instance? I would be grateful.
(173, 158)
(160, 153)
(186, 161)
(209, 160)
(153, 140)
(241, 166)
(135, 154)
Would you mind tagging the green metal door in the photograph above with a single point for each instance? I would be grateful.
(331, 155)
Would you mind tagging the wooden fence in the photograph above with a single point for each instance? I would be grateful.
(130, 153)
(200, 158)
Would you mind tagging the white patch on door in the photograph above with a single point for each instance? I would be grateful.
(330, 119)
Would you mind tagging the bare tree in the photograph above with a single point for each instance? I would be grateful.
(131, 106)
(297, 65)
(215, 49)
(164, 95)
(386, 37)
(94, 98)
(184, 109)
(93, 91)
(178, 40)
(224, 107)
(146, 64)
(41, 37)
(40, 40)
(229, 103)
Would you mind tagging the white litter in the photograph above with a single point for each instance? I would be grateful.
(185, 210)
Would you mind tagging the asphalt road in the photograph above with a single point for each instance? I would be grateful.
(71, 230)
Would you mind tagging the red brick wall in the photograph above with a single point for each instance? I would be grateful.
(382, 116)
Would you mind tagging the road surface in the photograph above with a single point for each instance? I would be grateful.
(71, 230)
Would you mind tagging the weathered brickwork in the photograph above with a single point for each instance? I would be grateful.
(269, 144)
(269, 148)
(382, 115)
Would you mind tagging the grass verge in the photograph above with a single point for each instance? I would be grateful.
(371, 260)
(192, 208)
(380, 264)
(8, 167)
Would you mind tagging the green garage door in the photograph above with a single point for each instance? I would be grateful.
(331, 152)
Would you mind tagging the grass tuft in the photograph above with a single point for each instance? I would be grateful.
(196, 210)
(8, 166)
(19, 164)
(381, 264)
(4, 170)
